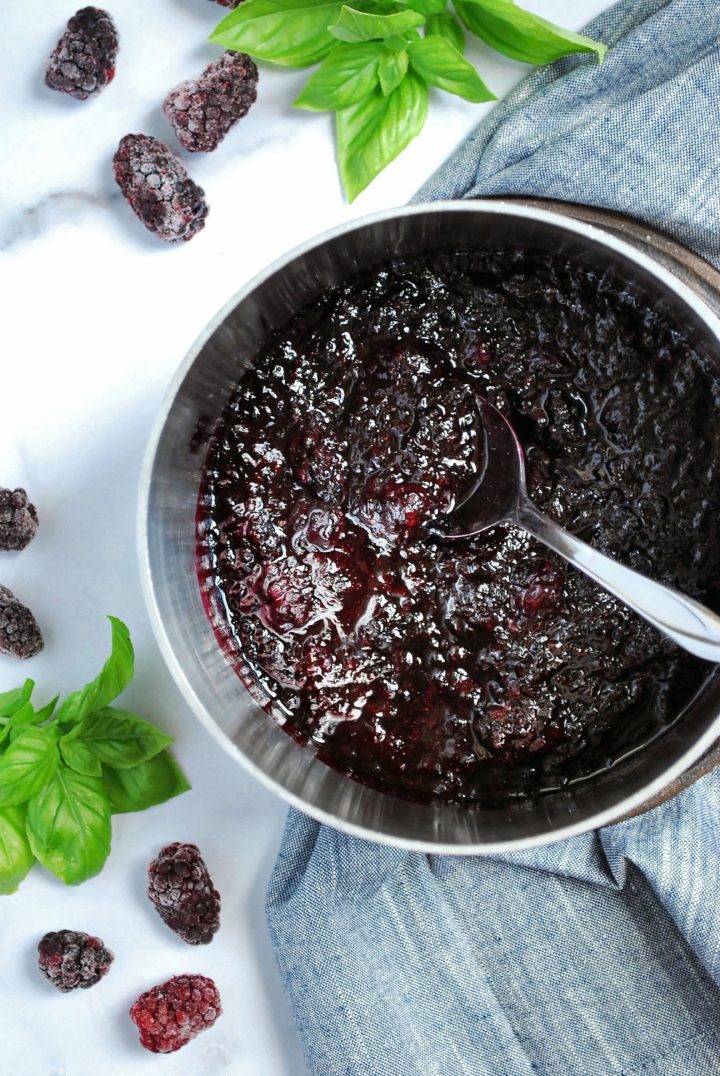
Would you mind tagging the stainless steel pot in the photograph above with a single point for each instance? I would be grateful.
(169, 488)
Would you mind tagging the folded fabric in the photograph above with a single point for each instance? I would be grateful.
(639, 133)
(600, 954)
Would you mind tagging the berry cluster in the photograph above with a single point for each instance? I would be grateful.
(158, 188)
(169, 1015)
(18, 519)
(83, 61)
(70, 959)
(20, 636)
(180, 887)
(201, 111)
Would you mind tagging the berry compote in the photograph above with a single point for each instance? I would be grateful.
(451, 671)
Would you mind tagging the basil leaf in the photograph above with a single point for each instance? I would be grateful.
(392, 70)
(427, 7)
(352, 25)
(520, 34)
(27, 765)
(401, 41)
(440, 63)
(293, 33)
(446, 25)
(11, 701)
(347, 74)
(42, 715)
(374, 131)
(146, 785)
(116, 674)
(120, 739)
(28, 715)
(16, 858)
(79, 757)
(68, 825)
(15, 724)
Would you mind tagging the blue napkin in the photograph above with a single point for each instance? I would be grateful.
(600, 954)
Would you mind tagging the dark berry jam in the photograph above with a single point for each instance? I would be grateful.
(452, 671)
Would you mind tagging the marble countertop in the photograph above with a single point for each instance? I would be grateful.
(96, 315)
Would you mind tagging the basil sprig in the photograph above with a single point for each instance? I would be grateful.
(64, 772)
(378, 57)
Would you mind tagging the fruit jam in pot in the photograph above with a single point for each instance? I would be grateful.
(449, 671)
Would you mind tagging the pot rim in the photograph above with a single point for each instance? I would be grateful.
(595, 234)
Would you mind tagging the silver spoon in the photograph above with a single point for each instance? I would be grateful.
(500, 494)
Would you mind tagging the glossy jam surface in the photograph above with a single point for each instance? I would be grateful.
(452, 671)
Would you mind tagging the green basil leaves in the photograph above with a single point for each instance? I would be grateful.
(520, 34)
(16, 856)
(377, 58)
(116, 674)
(392, 69)
(62, 776)
(120, 739)
(434, 59)
(352, 25)
(374, 131)
(68, 825)
(292, 33)
(27, 765)
(145, 785)
(446, 25)
(346, 75)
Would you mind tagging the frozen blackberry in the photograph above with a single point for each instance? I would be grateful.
(18, 519)
(70, 958)
(203, 110)
(158, 188)
(20, 636)
(175, 1012)
(181, 889)
(84, 58)
(228, 3)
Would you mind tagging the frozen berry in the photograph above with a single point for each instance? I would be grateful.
(84, 58)
(203, 110)
(70, 958)
(159, 189)
(181, 889)
(18, 519)
(228, 3)
(175, 1012)
(20, 636)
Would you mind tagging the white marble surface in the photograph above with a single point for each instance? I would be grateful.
(96, 315)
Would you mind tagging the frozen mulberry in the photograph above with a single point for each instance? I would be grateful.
(180, 887)
(18, 519)
(170, 1015)
(83, 60)
(70, 959)
(203, 110)
(20, 636)
(158, 188)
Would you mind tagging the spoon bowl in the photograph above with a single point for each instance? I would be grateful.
(499, 495)
(500, 482)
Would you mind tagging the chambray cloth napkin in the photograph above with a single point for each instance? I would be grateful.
(600, 954)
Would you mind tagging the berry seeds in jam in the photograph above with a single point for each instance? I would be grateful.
(456, 671)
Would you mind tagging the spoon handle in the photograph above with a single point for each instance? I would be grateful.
(688, 623)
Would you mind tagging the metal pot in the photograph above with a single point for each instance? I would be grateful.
(168, 495)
